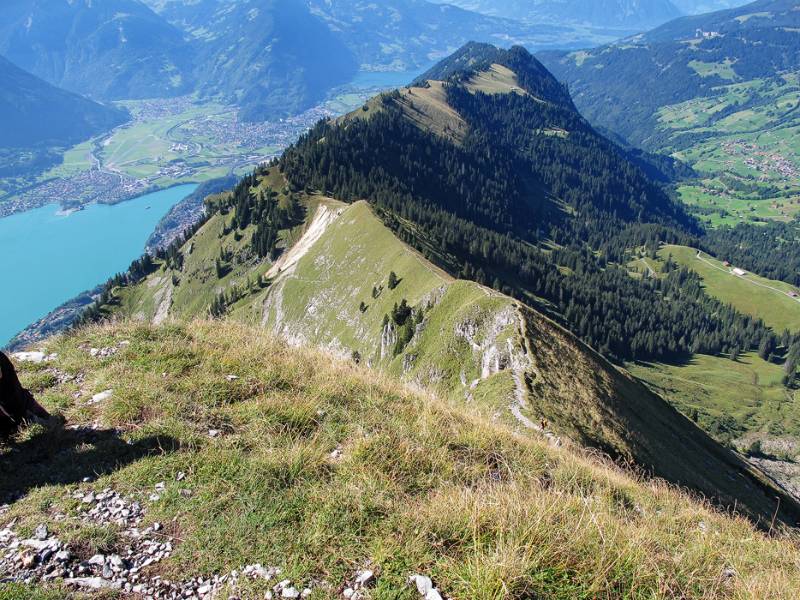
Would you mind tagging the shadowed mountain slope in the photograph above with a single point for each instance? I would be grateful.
(25, 101)
(105, 49)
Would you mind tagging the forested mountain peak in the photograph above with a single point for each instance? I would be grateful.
(525, 196)
(493, 103)
(475, 59)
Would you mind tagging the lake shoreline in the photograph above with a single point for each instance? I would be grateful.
(55, 259)
(65, 211)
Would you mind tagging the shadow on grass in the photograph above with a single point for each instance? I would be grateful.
(676, 360)
(59, 455)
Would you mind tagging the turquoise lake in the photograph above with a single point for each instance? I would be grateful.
(50, 258)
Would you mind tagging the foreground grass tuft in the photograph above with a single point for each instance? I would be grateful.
(415, 484)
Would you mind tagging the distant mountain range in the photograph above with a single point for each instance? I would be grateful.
(277, 57)
(37, 117)
(696, 7)
(628, 14)
(408, 34)
(622, 86)
(34, 112)
(272, 57)
(105, 49)
(246, 47)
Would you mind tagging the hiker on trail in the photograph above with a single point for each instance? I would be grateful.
(17, 404)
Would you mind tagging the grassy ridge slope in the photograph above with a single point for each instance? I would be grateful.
(420, 484)
(470, 344)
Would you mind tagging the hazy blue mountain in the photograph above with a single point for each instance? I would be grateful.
(37, 118)
(628, 14)
(696, 7)
(34, 112)
(387, 35)
(106, 49)
(622, 86)
(275, 57)
(271, 57)
(405, 34)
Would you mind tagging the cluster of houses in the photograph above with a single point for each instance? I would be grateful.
(762, 160)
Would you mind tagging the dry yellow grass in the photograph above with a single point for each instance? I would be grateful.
(423, 485)
(429, 110)
(497, 80)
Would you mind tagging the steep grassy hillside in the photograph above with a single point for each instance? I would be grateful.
(457, 338)
(245, 451)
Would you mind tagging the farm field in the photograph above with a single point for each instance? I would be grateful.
(167, 142)
(717, 202)
(745, 144)
(76, 159)
(751, 294)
